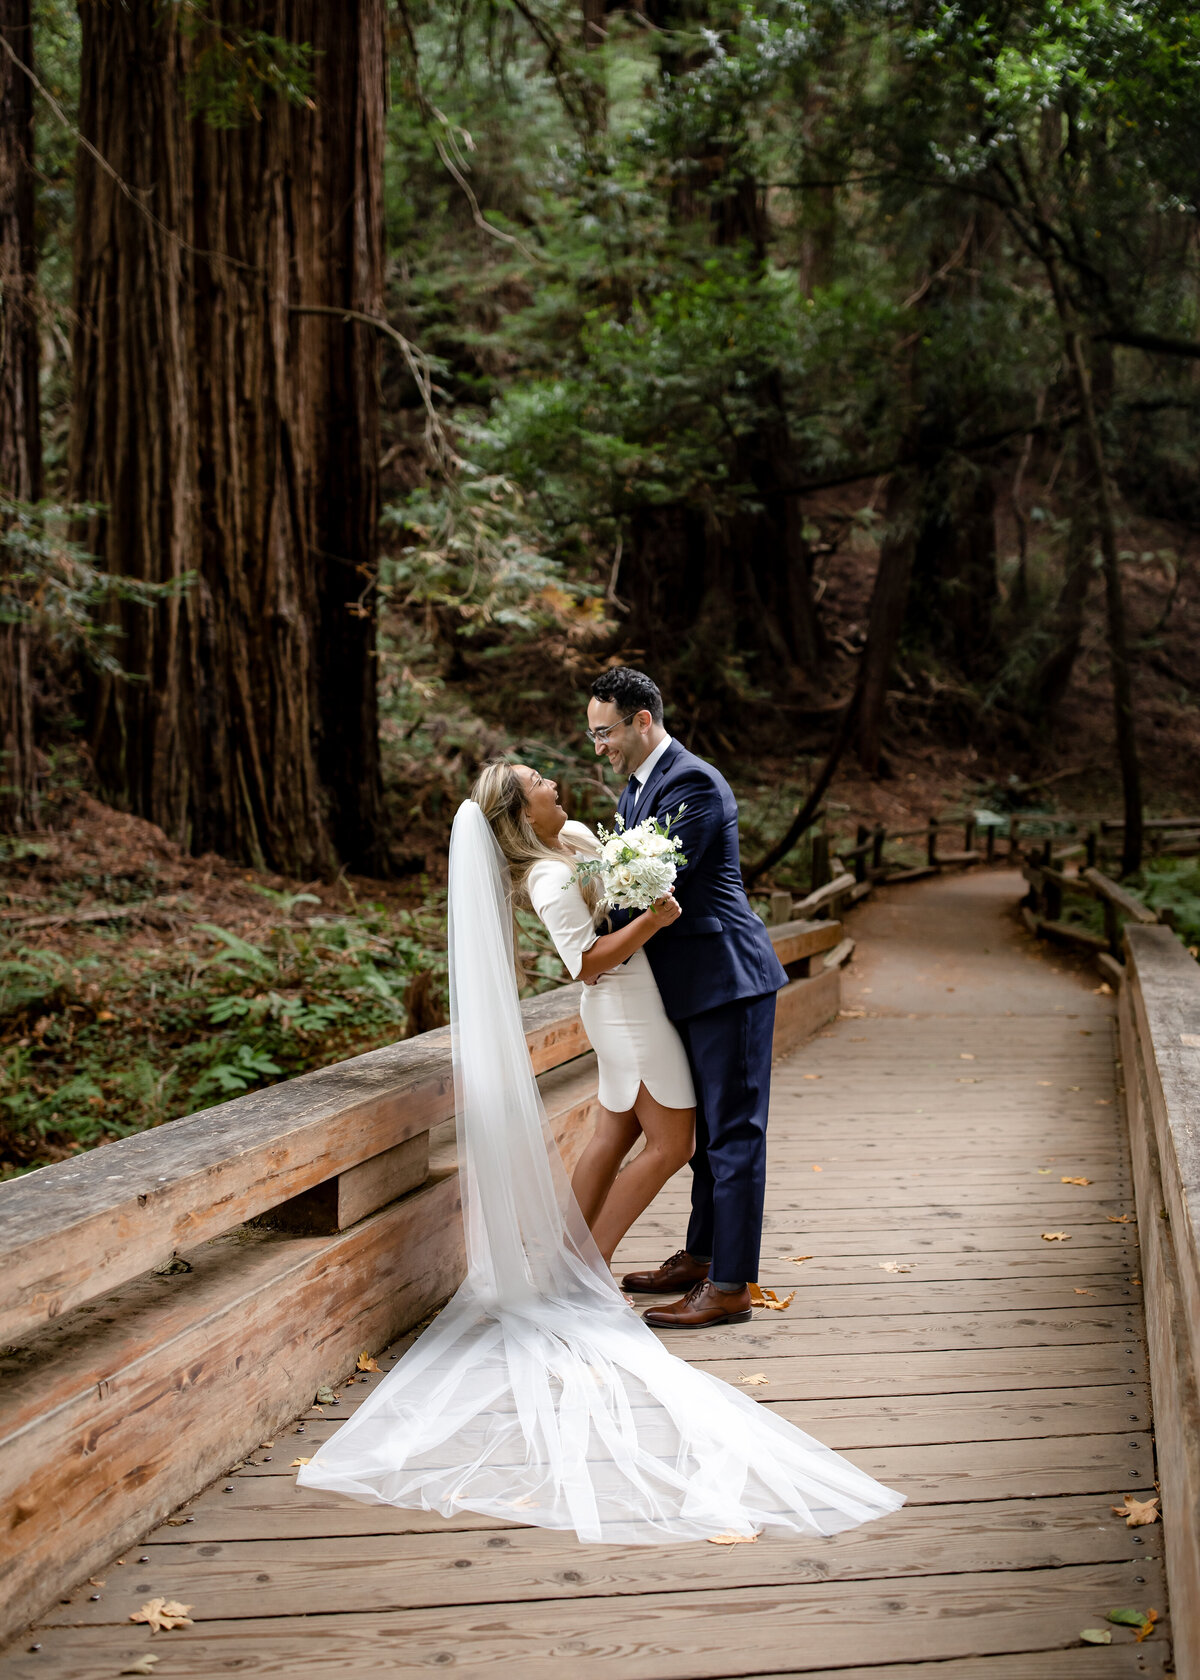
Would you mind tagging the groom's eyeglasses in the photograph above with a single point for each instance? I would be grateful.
(596, 736)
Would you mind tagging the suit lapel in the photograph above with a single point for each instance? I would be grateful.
(645, 805)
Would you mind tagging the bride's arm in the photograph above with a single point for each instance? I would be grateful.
(612, 949)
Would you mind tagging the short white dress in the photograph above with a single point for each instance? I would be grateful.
(622, 1014)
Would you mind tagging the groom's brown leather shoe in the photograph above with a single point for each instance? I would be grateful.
(701, 1306)
(679, 1272)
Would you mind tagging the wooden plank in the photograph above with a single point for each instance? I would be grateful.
(946, 1371)
(1117, 895)
(841, 953)
(262, 1316)
(796, 938)
(660, 1636)
(823, 896)
(1150, 1661)
(74, 1229)
(803, 1006)
(450, 1566)
(1161, 1090)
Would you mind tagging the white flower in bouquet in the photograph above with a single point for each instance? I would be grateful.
(636, 865)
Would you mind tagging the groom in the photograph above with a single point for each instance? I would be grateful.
(718, 975)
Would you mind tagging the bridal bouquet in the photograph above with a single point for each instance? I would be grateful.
(636, 865)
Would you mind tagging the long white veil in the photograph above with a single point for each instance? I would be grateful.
(537, 1395)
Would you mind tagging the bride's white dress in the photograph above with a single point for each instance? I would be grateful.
(622, 1012)
(537, 1394)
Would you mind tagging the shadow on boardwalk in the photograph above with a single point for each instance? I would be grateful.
(919, 1149)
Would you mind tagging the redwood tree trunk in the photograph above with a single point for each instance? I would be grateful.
(231, 436)
(888, 601)
(20, 422)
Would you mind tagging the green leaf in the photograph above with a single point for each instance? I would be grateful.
(1096, 1636)
(1128, 1618)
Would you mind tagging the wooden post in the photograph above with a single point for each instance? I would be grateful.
(1093, 847)
(820, 861)
(931, 845)
(860, 859)
(1047, 856)
(1014, 838)
(877, 843)
(969, 835)
(780, 910)
(991, 843)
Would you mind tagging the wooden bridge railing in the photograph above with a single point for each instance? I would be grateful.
(173, 1298)
(1160, 1053)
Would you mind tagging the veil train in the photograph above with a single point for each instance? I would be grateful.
(537, 1395)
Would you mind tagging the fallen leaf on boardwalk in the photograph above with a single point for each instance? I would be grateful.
(852, 1014)
(1096, 1636)
(895, 1266)
(144, 1665)
(176, 1522)
(768, 1298)
(1083, 1292)
(326, 1396)
(1043, 1170)
(160, 1613)
(1075, 1181)
(967, 1079)
(1138, 1512)
(966, 1056)
(1056, 1236)
(266, 1443)
(1102, 990)
(300, 1461)
(812, 1076)
(1045, 1081)
(796, 1259)
(754, 1381)
(1119, 1218)
(1143, 1620)
(1192, 1040)
(732, 1539)
(1103, 1102)
(366, 1362)
(817, 1168)
(1074, 1087)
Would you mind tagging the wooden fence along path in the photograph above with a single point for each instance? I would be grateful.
(967, 1325)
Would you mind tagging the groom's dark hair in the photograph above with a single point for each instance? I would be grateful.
(629, 691)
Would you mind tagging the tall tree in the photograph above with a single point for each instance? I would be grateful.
(20, 424)
(226, 414)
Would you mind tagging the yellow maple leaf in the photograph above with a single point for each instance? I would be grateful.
(1056, 1236)
(1083, 1292)
(812, 1076)
(965, 1056)
(299, 1461)
(162, 1613)
(817, 1169)
(1119, 1218)
(755, 1380)
(797, 1259)
(365, 1362)
(1138, 1512)
(732, 1539)
(768, 1298)
(1075, 1181)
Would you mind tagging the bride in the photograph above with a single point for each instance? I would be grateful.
(537, 1395)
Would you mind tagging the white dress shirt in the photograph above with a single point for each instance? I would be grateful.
(643, 771)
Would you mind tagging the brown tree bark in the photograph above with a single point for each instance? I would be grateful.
(229, 435)
(20, 419)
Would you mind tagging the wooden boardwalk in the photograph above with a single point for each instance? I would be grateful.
(918, 1152)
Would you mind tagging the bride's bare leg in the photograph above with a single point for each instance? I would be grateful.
(597, 1167)
(670, 1139)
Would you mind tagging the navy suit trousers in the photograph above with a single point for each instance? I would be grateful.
(729, 1049)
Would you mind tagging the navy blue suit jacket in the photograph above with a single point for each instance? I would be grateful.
(718, 950)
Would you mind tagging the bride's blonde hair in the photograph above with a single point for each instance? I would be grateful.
(500, 794)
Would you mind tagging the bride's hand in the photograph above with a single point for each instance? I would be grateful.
(666, 909)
